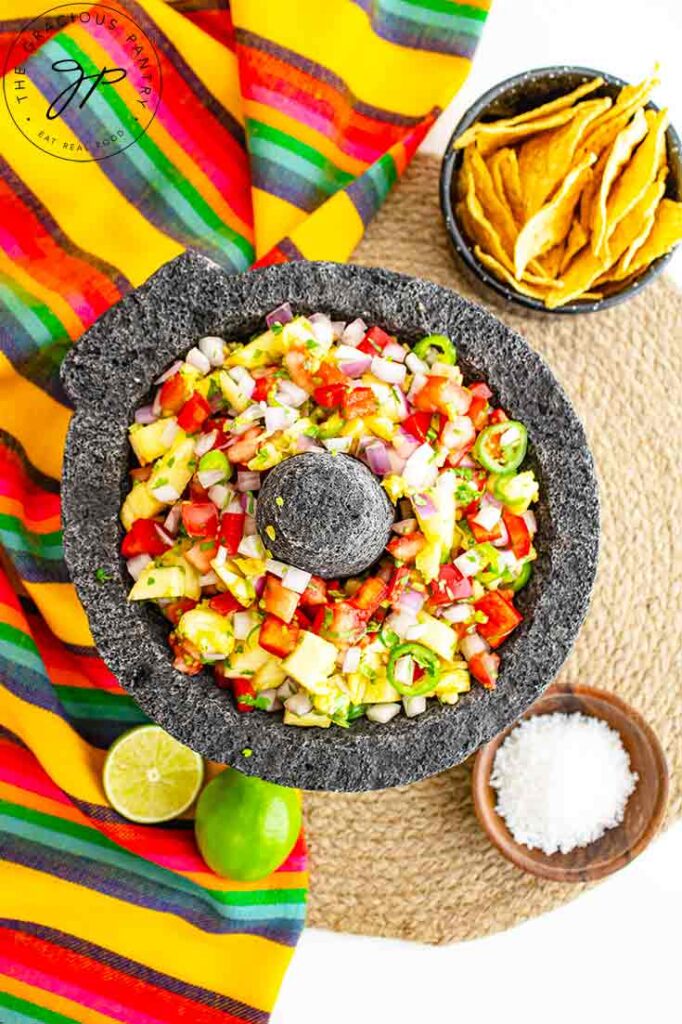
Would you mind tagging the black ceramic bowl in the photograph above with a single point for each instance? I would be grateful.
(514, 96)
(108, 375)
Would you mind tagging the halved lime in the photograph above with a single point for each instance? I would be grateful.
(149, 777)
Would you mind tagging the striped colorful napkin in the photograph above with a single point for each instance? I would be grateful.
(269, 131)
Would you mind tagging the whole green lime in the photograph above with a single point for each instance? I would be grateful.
(246, 827)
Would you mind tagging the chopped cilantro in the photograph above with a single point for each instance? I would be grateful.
(150, 580)
(102, 576)
(161, 482)
(277, 327)
(311, 344)
(206, 545)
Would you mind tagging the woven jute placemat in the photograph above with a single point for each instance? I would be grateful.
(412, 862)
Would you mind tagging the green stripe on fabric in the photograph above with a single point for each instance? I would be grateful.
(80, 702)
(18, 639)
(20, 1011)
(448, 21)
(17, 537)
(36, 319)
(258, 130)
(186, 201)
(447, 7)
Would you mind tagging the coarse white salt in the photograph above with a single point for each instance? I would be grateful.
(562, 780)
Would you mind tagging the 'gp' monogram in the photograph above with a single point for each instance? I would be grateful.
(64, 98)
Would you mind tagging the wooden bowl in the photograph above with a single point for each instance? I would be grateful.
(643, 813)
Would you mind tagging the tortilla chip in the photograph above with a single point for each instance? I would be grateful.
(639, 173)
(605, 128)
(629, 255)
(532, 290)
(504, 170)
(587, 268)
(560, 103)
(665, 233)
(618, 155)
(591, 296)
(589, 192)
(551, 224)
(479, 228)
(493, 135)
(552, 260)
(577, 238)
(546, 159)
(496, 211)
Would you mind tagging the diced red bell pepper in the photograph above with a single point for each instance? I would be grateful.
(370, 595)
(174, 393)
(329, 374)
(302, 620)
(296, 363)
(374, 341)
(264, 383)
(481, 535)
(143, 538)
(417, 424)
(224, 604)
(187, 658)
(193, 413)
(277, 637)
(485, 668)
(502, 616)
(451, 585)
(197, 492)
(519, 534)
(231, 531)
(342, 623)
(174, 610)
(406, 549)
(359, 402)
(479, 411)
(398, 583)
(243, 688)
(441, 394)
(498, 416)
(330, 396)
(278, 600)
(315, 593)
(200, 518)
(201, 554)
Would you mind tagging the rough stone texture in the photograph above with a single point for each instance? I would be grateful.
(514, 96)
(108, 376)
(334, 518)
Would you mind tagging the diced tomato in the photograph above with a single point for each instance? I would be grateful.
(243, 688)
(174, 393)
(398, 582)
(193, 413)
(174, 610)
(498, 416)
(141, 473)
(187, 658)
(231, 531)
(503, 618)
(295, 363)
(343, 623)
(451, 585)
(264, 382)
(200, 518)
(197, 492)
(319, 618)
(329, 374)
(370, 595)
(406, 549)
(519, 534)
(245, 447)
(330, 395)
(359, 402)
(440, 394)
(279, 600)
(277, 637)
(485, 668)
(301, 618)
(201, 554)
(374, 341)
(481, 535)
(315, 593)
(417, 424)
(480, 389)
(224, 604)
(145, 537)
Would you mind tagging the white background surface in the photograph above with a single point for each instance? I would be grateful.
(613, 954)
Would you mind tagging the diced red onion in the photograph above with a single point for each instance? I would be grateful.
(404, 670)
(405, 444)
(268, 700)
(210, 477)
(411, 601)
(390, 373)
(296, 579)
(163, 535)
(196, 358)
(338, 327)
(322, 329)
(418, 382)
(299, 704)
(338, 444)
(244, 379)
(235, 506)
(165, 494)
(137, 564)
(467, 462)
(171, 523)
(531, 522)
(242, 624)
(354, 332)
(248, 480)
(468, 563)
(221, 556)
(208, 579)
(286, 690)
(356, 367)
(457, 433)
(414, 706)
(420, 469)
(382, 713)
(213, 655)
(275, 567)
(306, 444)
(276, 418)
(156, 404)
(172, 369)
(503, 539)
(282, 315)
(401, 407)
(405, 526)
(488, 516)
(205, 443)
(415, 632)
(377, 458)
(220, 495)
(251, 547)
(473, 644)
(415, 364)
(459, 612)
(351, 660)
(169, 431)
(397, 464)
(394, 351)
(146, 415)
(400, 621)
(346, 353)
(291, 394)
(214, 350)
(424, 506)
(250, 526)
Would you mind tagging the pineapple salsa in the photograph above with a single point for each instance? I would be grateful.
(422, 622)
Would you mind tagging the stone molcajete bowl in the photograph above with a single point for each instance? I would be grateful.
(109, 375)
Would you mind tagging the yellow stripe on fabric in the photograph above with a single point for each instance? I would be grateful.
(121, 237)
(24, 411)
(274, 218)
(11, 617)
(304, 133)
(245, 967)
(379, 72)
(38, 802)
(50, 298)
(62, 611)
(331, 233)
(52, 1001)
(71, 763)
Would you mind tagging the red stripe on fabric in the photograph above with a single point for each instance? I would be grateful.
(19, 767)
(16, 483)
(90, 672)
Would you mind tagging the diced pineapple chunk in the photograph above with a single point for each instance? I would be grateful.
(381, 426)
(175, 468)
(429, 559)
(437, 636)
(311, 662)
(157, 581)
(379, 691)
(298, 333)
(336, 702)
(267, 456)
(454, 679)
(266, 348)
(232, 393)
(151, 440)
(270, 675)
(241, 588)
(210, 632)
(139, 504)
(312, 718)
(245, 662)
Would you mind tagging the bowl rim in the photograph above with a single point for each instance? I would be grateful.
(107, 382)
(496, 828)
(458, 240)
